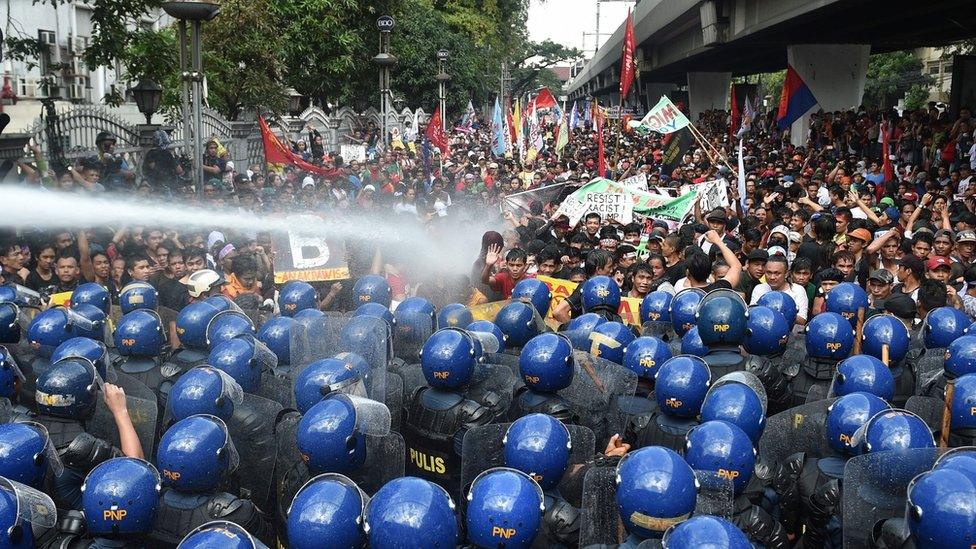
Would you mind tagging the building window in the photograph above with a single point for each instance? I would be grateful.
(49, 40)
(935, 68)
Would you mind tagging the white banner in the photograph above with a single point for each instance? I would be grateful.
(665, 117)
(353, 152)
(618, 206)
(638, 181)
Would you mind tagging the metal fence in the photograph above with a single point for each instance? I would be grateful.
(79, 125)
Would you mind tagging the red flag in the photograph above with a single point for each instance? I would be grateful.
(544, 100)
(601, 159)
(435, 132)
(510, 122)
(886, 167)
(734, 116)
(627, 64)
(276, 152)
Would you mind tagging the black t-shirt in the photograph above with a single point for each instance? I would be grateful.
(35, 282)
(62, 287)
(172, 294)
(675, 272)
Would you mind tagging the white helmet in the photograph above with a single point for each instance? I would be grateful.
(201, 282)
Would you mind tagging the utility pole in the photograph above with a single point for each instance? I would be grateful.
(596, 35)
(442, 79)
(386, 61)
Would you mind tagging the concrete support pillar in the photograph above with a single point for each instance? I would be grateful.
(835, 74)
(654, 90)
(708, 90)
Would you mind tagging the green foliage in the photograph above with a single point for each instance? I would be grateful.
(533, 59)
(916, 97)
(771, 85)
(890, 75)
(27, 50)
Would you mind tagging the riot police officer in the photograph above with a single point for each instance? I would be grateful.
(546, 366)
(196, 454)
(863, 373)
(644, 356)
(328, 507)
(415, 321)
(829, 340)
(296, 296)
(372, 289)
(26, 515)
(504, 507)
(438, 414)
(655, 315)
(139, 340)
(411, 513)
(279, 334)
(534, 291)
(519, 322)
(26, 454)
(220, 533)
(647, 509)
(454, 315)
(886, 338)
(601, 295)
(721, 322)
(679, 390)
(705, 530)
(940, 329)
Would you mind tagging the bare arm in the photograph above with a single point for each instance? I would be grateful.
(867, 211)
(129, 440)
(735, 266)
(87, 269)
(490, 258)
(563, 312)
(377, 266)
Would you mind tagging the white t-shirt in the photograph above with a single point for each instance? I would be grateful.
(797, 292)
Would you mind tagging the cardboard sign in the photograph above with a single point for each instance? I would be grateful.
(308, 257)
(618, 206)
(353, 152)
(638, 182)
(629, 306)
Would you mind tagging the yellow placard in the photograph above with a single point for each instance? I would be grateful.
(629, 306)
(61, 298)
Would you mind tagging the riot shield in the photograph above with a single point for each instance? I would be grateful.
(490, 377)
(143, 413)
(369, 337)
(596, 383)
(503, 359)
(876, 487)
(929, 366)
(660, 329)
(799, 429)
(796, 348)
(385, 460)
(394, 399)
(320, 339)
(929, 409)
(600, 522)
(251, 428)
(412, 330)
(483, 448)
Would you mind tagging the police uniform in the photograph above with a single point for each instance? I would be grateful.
(180, 513)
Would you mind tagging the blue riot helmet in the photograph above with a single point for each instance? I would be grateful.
(942, 326)
(504, 509)
(191, 324)
(51, 328)
(8, 293)
(866, 374)
(881, 331)
(94, 328)
(329, 375)
(961, 459)
(415, 306)
(372, 289)
(448, 358)
(120, 497)
(276, 333)
(893, 429)
(140, 333)
(377, 310)
(10, 330)
(683, 309)
(645, 355)
(329, 438)
(227, 325)
(680, 385)
(600, 292)
(454, 315)
(941, 509)
(244, 358)
(307, 314)
(517, 321)
(10, 373)
(222, 303)
(964, 403)
(296, 295)
(138, 295)
(740, 399)
(721, 318)
(489, 327)
(722, 449)
(656, 307)
(608, 341)
(846, 415)
(195, 454)
(22, 507)
(26, 453)
(691, 343)
(767, 332)
(705, 531)
(69, 389)
(782, 303)
(586, 321)
(547, 363)
(960, 357)
(205, 390)
(845, 299)
(328, 507)
(655, 489)
(409, 512)
(91, 293)
(83, 347)
(535, 292)
(539, 445)
(220, 534)
(829, 336)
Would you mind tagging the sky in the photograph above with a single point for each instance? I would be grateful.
(564, 21)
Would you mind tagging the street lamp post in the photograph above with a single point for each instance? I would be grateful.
(148, 95)
(196, 12)
(386, 61)
(442, 79)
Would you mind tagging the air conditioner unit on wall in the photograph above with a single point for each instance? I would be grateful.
(78, 44)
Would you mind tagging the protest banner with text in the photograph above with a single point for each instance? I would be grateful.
(308, 257)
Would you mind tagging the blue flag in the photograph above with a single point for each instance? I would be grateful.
(425, 154)
(573, 117)
(498, 143)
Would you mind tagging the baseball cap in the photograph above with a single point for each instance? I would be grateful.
(910, 196)
(936, 262)
(966, 236)
(945, 232)
(777, 250)
(758, 255)
(901, 305)
(882, 275)
(861, 234)
(308, 182)
(912, 263)
(887, 201)
(625, 251)
(892, 213)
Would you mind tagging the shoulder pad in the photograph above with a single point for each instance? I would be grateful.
(472, 412)
(758, 525)
(563, 522)
(788, 471)
(222, 505)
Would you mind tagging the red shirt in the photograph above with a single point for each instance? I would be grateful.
(504, 283)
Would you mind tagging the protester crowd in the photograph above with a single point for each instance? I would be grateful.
(855, 260)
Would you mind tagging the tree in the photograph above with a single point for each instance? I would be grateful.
(536, 57)
(890, 75)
